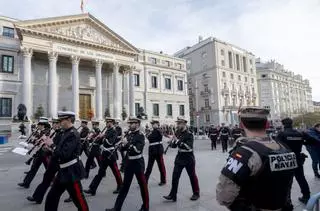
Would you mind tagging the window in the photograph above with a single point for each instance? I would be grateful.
(239, 77)
(154, 82)
(237, 62)
(251, 70)
(180, 85)
(136, 79)
(250, 61)
(155, 109)
(7, 64)
(245, 79)
(264, 76)
(8, 32)
(222, 63)
(224, 74)
(169, 109)
(207, 117)
(222, 52)
(136, 107)
(181, 110)
(231, 76)
(152, 60)
(230, 59)
(224, 85)
(167, 63)
(5, 107)
(167, 83)
(252, 80)
(206, 103)
(206, 89)
(244, 64)
(179, 66)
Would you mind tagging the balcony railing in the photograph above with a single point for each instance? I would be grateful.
(205, 93)
(206, 108)
(241, 93)
(233, 92)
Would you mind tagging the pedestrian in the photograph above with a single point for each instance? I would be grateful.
(313, 134)
(71, 170)
(134, 166)
(224, 134)
(22, 130)
(236, 133)
(258, 174)
(156, 152)
(109, 158)
(52, 169)
(213, 135)
(184, 159)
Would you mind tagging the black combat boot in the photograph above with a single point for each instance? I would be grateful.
(170, 198)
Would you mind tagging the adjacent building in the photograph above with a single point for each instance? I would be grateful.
(78, 63)
(282, 91)
(316, 106)
(221, 78)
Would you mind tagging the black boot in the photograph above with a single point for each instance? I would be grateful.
(89, 191)
(68, 200)
(162, 184)
(116, 191)
(317, 175)
(170, 198)
(30, 198)
(195, 197)
(23, 185)
(304, 199)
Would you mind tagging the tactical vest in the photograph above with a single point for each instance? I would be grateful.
(268, 189)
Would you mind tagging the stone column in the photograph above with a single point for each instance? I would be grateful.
(98, 110)
(27, 82)
(52, 84)
(75, 85)
(131, 92)
(116, 91)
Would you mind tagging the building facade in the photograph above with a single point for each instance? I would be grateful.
(77, 63)
(316, 106)
(282, 91)
(221, 78)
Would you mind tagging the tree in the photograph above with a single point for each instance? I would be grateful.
(306, 120)
(39, 112)
(106, 112)
(124, 114)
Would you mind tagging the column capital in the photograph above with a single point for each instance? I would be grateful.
(75, 60)
(53, 56)
(99, 63)
(27, 52)
(116, 65)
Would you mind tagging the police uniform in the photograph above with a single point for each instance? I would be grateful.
(224, 133)
(134, 166)
(94, 149)
(83, 137)
(50, 173)
(184, 159)
(40, 157)
(295, 140)
(258, 173)
(156, 153)
(236, 133)
(213, 135)
(71, 169)
(108, 160)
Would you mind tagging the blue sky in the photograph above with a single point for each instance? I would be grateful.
(285, 30)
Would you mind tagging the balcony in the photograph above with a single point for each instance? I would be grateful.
(247, 94)
(254, 95)
(225, 91)
(233, 92)
(205, 93)
(206, 108)
(241, 93)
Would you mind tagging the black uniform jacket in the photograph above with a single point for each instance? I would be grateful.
(109, 140)
(84, 132)
(154, 137)
(68, 149)
(185, 148)
(135, 145)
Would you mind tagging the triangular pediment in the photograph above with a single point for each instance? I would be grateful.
(84, 28)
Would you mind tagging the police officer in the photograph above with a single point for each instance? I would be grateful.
(213, 135)
(84, 133)
(224, 133)
(237, 132)
(258, 174)
(184, 159)
(41, 156)
(52, 169)
(156, 152)
(294, 140)
(134, 166)
(71, 168)
(94, 151)
(109, 158)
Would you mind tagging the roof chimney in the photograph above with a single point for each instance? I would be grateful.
(200, 38)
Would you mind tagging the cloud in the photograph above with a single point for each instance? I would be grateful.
(286, 30)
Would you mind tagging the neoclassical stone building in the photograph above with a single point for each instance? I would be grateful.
(78, 63)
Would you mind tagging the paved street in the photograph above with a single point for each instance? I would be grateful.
(209, 164)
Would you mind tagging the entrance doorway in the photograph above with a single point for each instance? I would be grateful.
(84, 106)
